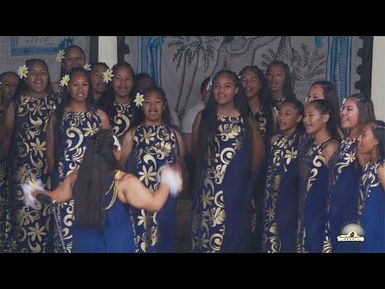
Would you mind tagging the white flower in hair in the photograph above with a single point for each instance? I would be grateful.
(87, 66)
(107, 75)
(64, 81)
(60, 55)
(139, 98)
(22, 71)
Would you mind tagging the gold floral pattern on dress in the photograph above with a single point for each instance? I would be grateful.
(76, 129)
(28, 162)
(153, 146)
(121, 118)
(209, 214)
(283, 153)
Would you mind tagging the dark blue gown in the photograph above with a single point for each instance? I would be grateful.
(222, 205)
(27, 229)
(344, 178)
(76, 130)
(281, 196)
(153, 146)
(371, 211)
(313, 187)
(115, 236)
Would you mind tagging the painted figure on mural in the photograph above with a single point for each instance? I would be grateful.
(237, 52)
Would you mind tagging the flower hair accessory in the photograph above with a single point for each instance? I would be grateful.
(116, 142)
(107, 75)
(64, 81)
(139, 98)
(87, 66)
(22, 71)
(60, 55)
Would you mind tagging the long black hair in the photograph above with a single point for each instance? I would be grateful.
(209, 122)
(324, 107)
(93, 179)
(331, 96)
(138, 112)
(23, 87)
(299, 107)
(378, 129)
(288, 91)
(264, 98)
(107, 99)
(65, 101)
(365, 109)
(63, 71)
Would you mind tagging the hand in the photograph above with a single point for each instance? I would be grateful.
(36, 192)
(171, 175)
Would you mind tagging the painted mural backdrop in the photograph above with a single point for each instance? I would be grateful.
(180, 63)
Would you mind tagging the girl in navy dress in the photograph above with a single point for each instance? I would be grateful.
(146, 148)
(256, 90)
(117, 100)
(314, 172)
(25, 141)
(344, 173)
(101, 192)
(281, 194)
(371, 201)
(230, 153)
(75, 121)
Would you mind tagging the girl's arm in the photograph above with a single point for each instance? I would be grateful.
(195, 135)
(329, 150)
(104, 118)
(7, 128)
(134, 193)
(51, 143)
(257, 148)
(127, 144)
(180, 157)
(63, 192)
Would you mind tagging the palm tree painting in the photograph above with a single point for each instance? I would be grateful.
(191, 50)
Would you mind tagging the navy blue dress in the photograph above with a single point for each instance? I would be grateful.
(281, 196)
(121, 117)
(27, 229)
(222, 207)
(344, 178)
(154, 146)
(76, 130)
(314, 175)
(117, 233)
(371, 211)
